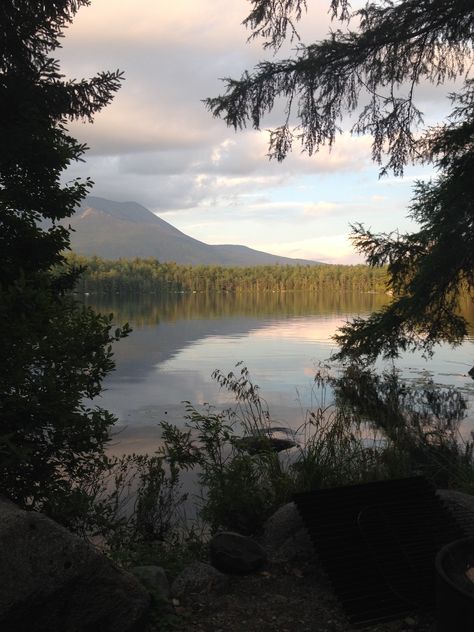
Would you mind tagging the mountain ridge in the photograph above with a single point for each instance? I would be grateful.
(114, 230)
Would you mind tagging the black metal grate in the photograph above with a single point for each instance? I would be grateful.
(377, 543)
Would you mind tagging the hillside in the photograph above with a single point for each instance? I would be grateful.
(114, 230)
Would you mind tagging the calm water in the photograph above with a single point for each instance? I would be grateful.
(178, 342)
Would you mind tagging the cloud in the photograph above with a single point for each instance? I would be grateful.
(320, 208)
(156, 143)
(173, 55)
(326, 248)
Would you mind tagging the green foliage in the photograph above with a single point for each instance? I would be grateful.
(334, 453)
(378, 428)
(54, 352)
(54, 361)
(240, 490)
(371, 73)
(420, 422)
(149, 275)
(430, 269)
(134, 513)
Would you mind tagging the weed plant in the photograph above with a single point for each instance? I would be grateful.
(420, 422)
(135, 514)
(375, 428)
(363, 427)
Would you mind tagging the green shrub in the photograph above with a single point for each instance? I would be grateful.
(376, 428)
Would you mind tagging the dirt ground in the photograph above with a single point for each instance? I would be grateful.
(284, 598)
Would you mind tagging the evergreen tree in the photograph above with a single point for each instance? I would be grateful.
(54, 352)
(371, 72)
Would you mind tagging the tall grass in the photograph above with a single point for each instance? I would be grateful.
(376, 428)
(362, 427)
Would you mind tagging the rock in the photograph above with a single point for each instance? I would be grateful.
(197, 578)
(285, 537)
(296, 548)
(234, 553)
(154, 579)
(283, 524)
(258, 444)
(460, 504)
(52, 580)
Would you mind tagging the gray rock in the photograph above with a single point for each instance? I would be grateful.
(234, 553)
(298, 547)
(52, 580)
(283, 524)
(260, 444)
(154, 579)
(460, 504)
(285, 537)
(197, 578)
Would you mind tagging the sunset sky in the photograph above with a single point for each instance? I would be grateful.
(157, 145)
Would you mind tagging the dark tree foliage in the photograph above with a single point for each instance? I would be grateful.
(371, 73)
(54, 352)
(428, 269)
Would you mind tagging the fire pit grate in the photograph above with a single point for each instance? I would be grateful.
(377, 543)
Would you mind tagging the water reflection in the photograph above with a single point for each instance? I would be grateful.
(178, 341)
(152, 309)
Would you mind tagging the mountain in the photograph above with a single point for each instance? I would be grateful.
(114, 230)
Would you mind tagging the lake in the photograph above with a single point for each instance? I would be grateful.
(179, 340)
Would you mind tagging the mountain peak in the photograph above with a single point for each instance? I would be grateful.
(114, 230)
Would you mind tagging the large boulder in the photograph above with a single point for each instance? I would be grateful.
(283, 524)
(234, 553)
(454, 499)
(285, 536)
(52, 580)
(461, 506)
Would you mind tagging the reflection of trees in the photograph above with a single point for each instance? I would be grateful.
(151, 309)
(421, 421)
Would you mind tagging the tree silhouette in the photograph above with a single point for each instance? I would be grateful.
(371, 72)
(54, 352)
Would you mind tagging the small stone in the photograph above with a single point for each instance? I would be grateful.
(198, 578)
(180, 610)
(154, 579)
(470, 573)
(409, 621)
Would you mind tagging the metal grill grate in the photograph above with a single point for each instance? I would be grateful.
(377, 543)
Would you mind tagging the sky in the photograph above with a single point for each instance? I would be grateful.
(157, 145)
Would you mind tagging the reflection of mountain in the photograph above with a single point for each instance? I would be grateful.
(165, 327)
(149, 346)
(176, 344)
(114, 230)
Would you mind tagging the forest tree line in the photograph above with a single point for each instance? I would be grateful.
(137, 276)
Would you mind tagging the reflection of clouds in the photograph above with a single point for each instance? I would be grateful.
(302, 330)
(281, 351)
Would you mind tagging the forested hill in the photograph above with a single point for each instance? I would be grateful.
(150, 276)
(116, 230)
